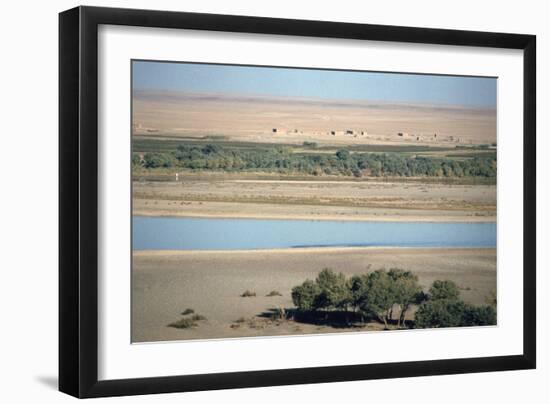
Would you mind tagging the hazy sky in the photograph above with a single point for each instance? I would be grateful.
(386, 87)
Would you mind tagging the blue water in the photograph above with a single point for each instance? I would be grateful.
(170, 233)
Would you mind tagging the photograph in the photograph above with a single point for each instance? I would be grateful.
(273, 201)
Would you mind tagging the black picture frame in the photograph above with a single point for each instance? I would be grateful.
(78, 201)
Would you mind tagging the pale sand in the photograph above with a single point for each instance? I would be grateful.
(165, 283)
(252, 118)
(317, 200)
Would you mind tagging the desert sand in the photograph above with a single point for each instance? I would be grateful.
(165, 283)
(295, 120)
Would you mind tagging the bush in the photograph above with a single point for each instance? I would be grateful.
(187, 311)
(439, 313)
(453, 313)
(248, 293)
(304, 295)
(333, 290)
(479, 315)
(183, 323)
(343, 154)
(447, 290)
(198, 317)
(156, 160)
(274, 293)
(330, 290)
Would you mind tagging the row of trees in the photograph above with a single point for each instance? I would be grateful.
(284, 160)
(386, 295)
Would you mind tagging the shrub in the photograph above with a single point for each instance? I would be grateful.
(187, 311)
(248, 293)
(453, 313)
(444, 290)
(440, 313)
(183, 323)
(198, 317)
(155, 160)
(479, 315)
(274, 293)
(333, 290)
(304, 295)
(343, 154)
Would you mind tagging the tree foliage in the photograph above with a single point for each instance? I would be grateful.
(329, 291)
(333, 288)
(453, 313)
(407, 291)
(283, 159)
(444, 290)
(304, 295)
(156, 160)
(440, 313)
(379, 293)
(444, 308)
(372, 295)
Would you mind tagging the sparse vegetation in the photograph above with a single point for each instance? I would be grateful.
(187, 322)
(183, 323)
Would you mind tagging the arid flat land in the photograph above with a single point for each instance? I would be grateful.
(165, 283)
(295, 120)
(226, 196)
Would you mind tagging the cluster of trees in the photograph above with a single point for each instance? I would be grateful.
(284, 160)
(387, 295)
(444, 308)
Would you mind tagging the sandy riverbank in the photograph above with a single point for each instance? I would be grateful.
(317, 200)
(167, 282)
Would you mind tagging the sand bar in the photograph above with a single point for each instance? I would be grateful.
(316, 200)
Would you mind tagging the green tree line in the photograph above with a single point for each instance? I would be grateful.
(342, 162)
(389, 295)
